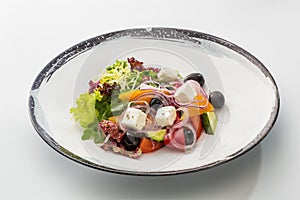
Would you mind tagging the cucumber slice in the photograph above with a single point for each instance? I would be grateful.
(209, 122)
(157, 135)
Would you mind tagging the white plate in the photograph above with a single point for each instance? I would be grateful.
(251, 109)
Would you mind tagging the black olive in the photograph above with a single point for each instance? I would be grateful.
(196, 77)
(130, 142)
(156, 103)
(217, 99)
(188, 136)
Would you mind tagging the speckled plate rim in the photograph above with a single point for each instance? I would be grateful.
(81, 47)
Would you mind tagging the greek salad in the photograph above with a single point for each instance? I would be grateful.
(132, 109)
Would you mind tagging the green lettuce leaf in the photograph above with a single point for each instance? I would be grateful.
(85, 112)
(104, 108)
(92, 132)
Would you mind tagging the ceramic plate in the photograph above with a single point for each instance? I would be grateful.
(250, 110)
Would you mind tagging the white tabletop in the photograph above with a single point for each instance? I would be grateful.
(34, 32)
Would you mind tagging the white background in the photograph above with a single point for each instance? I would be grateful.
(34, 32)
